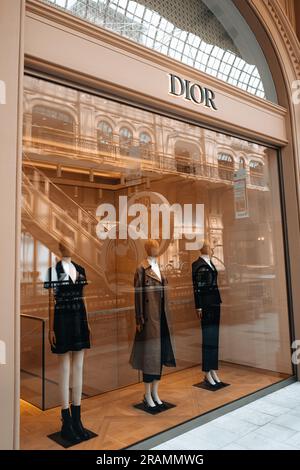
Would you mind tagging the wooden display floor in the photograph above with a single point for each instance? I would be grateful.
(118, 424)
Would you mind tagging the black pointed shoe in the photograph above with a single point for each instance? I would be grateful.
(68, 432)
(153, 409)
(220, 384)
(207, 382)
(161, 406)
(77, 424)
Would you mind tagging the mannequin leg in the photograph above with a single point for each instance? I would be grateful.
(215, 376)
(67, 431)
(154, 392)
(64, 379)
(148, 395)
(209, 378)
(210, 342)
(77, 373)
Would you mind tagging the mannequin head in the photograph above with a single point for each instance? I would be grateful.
(206, 248)
(152, 248)
(65, 251)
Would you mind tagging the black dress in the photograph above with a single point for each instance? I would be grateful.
(70, 319)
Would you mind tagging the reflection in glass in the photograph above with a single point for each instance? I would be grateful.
(70, 169)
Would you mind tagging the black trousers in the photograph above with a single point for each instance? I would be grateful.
(210, 323)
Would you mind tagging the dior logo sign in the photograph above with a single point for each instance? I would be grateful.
(192, 91)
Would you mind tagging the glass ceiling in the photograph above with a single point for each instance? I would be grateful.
(198, 33)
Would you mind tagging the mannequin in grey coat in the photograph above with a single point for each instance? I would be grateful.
(152, 348)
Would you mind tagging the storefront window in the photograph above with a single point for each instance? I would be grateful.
(209, 35)
(101, 206)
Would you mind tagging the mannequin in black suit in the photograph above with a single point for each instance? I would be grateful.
(208, 302)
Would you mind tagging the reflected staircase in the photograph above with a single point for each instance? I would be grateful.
(51, 216)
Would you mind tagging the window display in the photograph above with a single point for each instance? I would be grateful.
(163, 260)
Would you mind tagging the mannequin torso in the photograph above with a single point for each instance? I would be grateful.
(154, 265)
(69, 268)
(207, 260)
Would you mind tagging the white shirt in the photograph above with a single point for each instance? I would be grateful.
(154, 266)
(69, 268)
(207, 259)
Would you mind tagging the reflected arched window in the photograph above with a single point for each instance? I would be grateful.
(256, 173)
(51, 125)
(104, 136)
(225, 166)
(145, 144)
(126, 140)
(242, 163)
(145, 138)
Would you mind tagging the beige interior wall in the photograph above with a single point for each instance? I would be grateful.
(11, 73)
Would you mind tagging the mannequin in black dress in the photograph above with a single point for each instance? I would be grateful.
(69, 335)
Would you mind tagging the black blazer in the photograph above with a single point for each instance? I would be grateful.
(205, 283)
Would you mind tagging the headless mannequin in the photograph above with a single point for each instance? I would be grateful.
(206, 252)
(66, 360)
(76, 357)
(151, 389)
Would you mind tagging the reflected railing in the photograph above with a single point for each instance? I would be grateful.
(112, 338)
(135, 156)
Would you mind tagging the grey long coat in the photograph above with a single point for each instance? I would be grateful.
(151, 303)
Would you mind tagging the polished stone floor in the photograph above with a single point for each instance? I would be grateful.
(269, 423)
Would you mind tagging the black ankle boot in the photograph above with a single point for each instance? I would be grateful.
(77, 424)
(67, 430)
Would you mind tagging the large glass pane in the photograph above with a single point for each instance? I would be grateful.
(91, 167)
